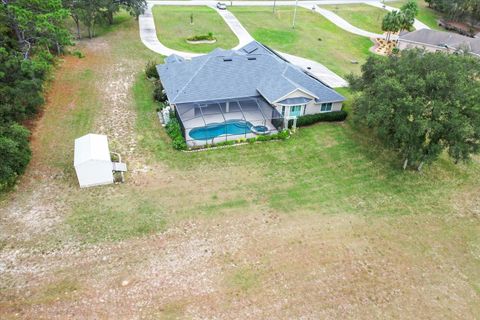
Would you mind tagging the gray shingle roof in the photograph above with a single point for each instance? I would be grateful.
(442, 39)
(228, 74)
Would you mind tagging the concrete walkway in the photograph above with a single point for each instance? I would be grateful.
(342, 23)
(242, 34)
(148, 35)
(417, 24)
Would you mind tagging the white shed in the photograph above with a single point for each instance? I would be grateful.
(92, 160)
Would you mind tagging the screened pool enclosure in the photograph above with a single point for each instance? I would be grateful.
(217, 121)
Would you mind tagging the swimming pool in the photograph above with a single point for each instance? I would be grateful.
(213, 130)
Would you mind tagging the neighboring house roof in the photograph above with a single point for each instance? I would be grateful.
(443, 39)
(229, 74)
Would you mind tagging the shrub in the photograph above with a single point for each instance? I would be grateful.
(324, 117)
(225, 143)
(175, 132)
(151, 70)
(202, 37)
(79, 54)
(158, 93)
(283, 135)
(395, 50)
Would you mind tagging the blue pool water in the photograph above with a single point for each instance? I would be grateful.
(261, 129)
(214, 130)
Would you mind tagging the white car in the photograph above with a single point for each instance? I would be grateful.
(221, 6)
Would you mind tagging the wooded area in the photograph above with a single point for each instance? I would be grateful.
(32, 34)
(465, 10)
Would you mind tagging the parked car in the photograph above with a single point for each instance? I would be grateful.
(221, 6)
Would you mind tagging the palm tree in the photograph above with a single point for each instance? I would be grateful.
(407, 16)
(391, 23)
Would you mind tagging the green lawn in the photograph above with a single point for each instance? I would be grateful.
(236, 221)
(362, 16)
(324, 168)
(425, 14)
(174, 27)
(314, 37)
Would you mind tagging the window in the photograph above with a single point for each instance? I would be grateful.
(283, 111)
(295, 111)
(326, 107)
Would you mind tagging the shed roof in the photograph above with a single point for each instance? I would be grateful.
(91, 147)
(230, 74)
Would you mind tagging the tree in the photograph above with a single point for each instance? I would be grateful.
(420, 104)
(15, 152)
(391, 23)
(408, 12)
(37, 23)
(74, 7)
(21, 86)
(134, 7)
(91, 12)
(466, 10)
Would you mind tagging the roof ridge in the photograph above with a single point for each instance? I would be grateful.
(193, 76)
(295, 83)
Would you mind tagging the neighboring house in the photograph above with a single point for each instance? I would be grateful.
(252, 86)
(432, 40)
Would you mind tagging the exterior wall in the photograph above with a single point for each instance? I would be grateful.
(94, 173)
(313, 107)
(402, 45)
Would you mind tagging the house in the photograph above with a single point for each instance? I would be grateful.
(228, 94)
(433, 41)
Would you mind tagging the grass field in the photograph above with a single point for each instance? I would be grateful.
(425, 14)
(324, 225)
(174, 27)
(361, 16)
(314, 37)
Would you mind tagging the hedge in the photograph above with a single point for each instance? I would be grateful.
(175, 132)
(309, 119)
(202, 37)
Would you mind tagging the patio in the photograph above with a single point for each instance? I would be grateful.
(217, 121)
